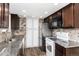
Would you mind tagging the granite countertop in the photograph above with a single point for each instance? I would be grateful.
(3, 45)
(16, 45)
(69, 44)
(13, 46)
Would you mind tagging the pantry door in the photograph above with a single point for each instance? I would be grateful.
(32, 39)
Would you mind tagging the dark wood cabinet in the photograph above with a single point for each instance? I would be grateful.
(58, 13)
(67, 16)
(4, 15)
(70, 15)
(61, 51)
(50, 18)
(14, 22)
(76, 15)
(58, 50)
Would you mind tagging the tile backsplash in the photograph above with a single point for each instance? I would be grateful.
(73, 34)
(22, 24)
(5, 36)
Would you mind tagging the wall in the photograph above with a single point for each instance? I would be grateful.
(9, 28)
(73, 33)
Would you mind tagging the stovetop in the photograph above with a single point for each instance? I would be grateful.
(52, 38)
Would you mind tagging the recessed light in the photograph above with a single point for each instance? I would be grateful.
(46, 12)
(55, 3)
(41, 16)
(33, 16)
(24, 11)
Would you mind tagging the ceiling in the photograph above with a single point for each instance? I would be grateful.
(35, 10)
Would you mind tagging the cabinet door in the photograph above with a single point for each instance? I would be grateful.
(58, 50)
(76, 14)
(67, 16)
(14, 21)
(61, 51)
(4, 15)
(0, 13)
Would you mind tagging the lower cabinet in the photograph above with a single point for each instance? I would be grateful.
(58, 50)
(61, 51)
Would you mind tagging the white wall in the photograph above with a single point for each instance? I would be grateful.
(9, 28)
(32, 32)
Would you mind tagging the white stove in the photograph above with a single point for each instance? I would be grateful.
(50, 46)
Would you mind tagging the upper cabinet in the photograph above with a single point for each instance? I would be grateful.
(58, 13)
(69, 14)
(4, 15)
(76, 15)
(14, 22)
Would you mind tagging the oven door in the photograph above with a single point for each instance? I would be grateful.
(50, 48)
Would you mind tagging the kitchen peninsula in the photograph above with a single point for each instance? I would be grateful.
(12, 47)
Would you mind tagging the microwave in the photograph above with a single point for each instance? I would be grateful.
(56, 22)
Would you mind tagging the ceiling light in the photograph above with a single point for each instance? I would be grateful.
(24, 11)
(55, 3)
(33, 16)
(41, 16)
(46, 12)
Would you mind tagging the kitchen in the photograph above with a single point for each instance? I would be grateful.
(12, 31)
(24, 32)
(65, 32)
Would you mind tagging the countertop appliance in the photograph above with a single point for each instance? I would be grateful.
(50, 46)
(56, 22)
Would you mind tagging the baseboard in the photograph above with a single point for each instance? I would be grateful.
(32, 47)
